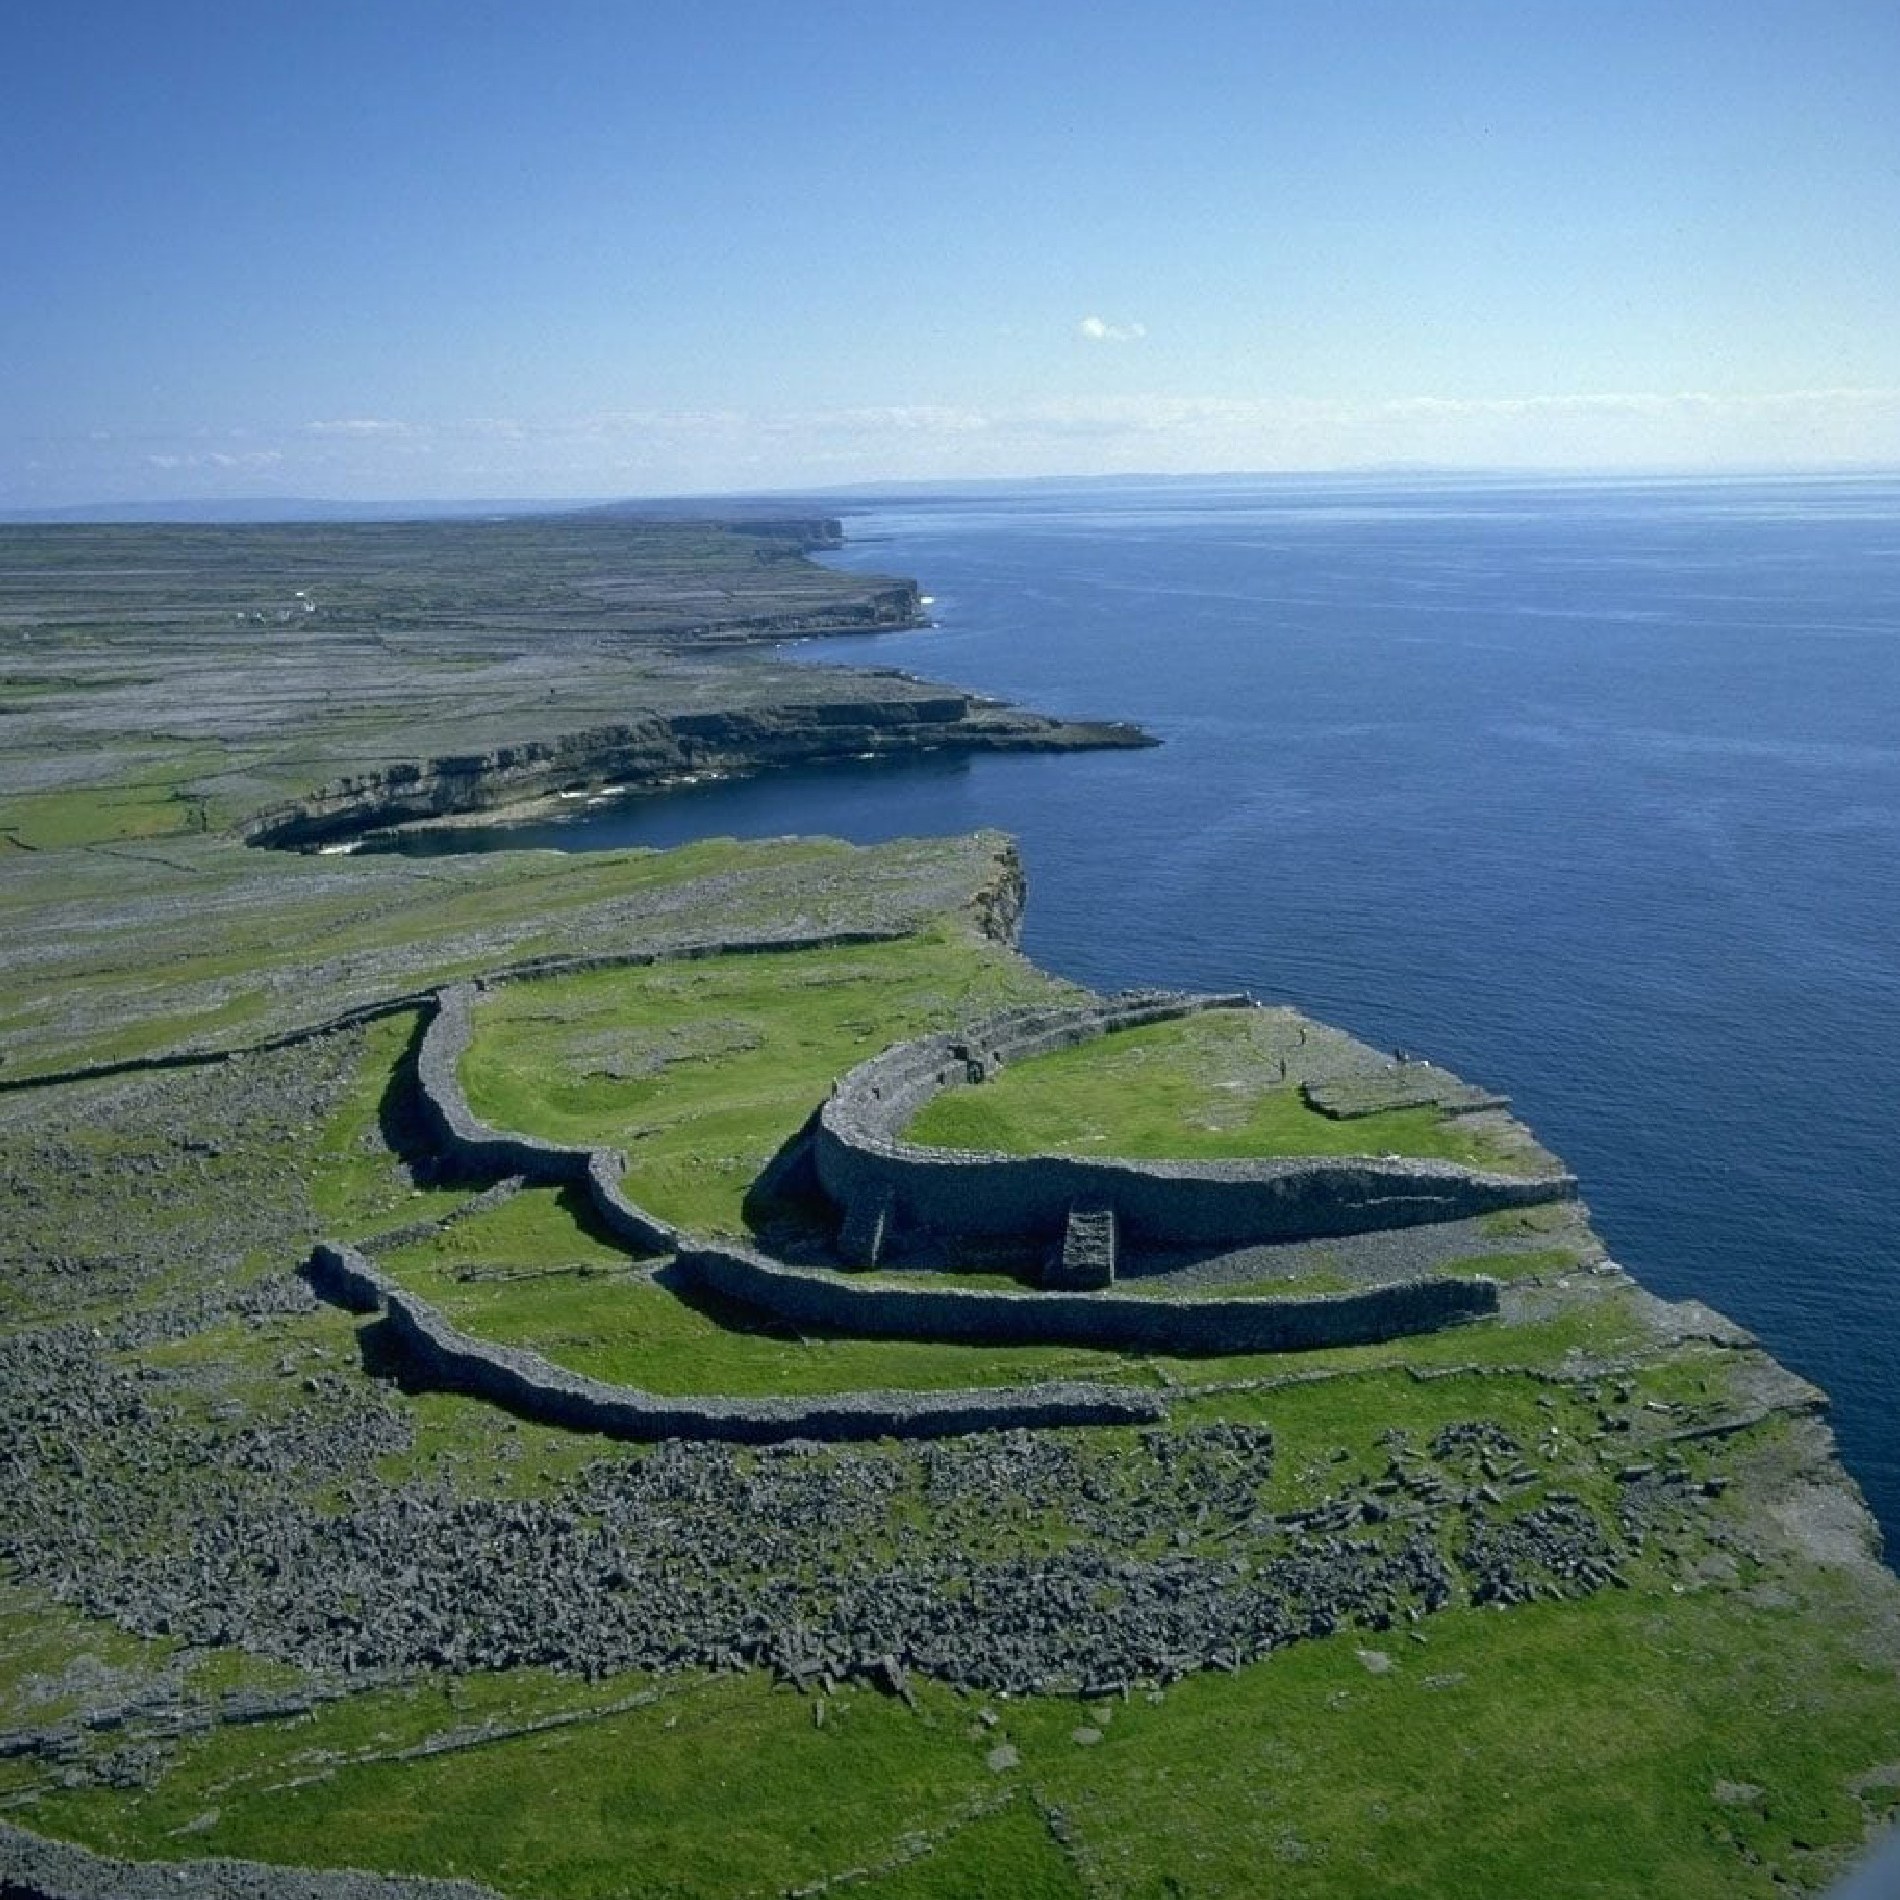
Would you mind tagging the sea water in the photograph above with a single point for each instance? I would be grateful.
(1588, 790)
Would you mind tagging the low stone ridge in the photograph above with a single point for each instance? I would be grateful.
(443, 1358)
(813, 1296)
(995, 909)
(33, 1868)
(232, 1532)
(1405, 1084)
(861, 1155)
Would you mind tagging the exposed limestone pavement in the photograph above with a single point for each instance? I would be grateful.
(1005, 1561)
(32, 1868)
(333, 1579)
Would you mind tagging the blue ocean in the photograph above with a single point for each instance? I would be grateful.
(1589, 790)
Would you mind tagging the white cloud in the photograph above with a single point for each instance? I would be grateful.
(217, 458)
(1100, 330)
(912, 419)
(359, 426)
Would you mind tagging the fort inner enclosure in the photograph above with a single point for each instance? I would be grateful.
(706, 1372)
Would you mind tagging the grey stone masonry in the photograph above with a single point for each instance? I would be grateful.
(861, 1238)
(1047, 1201)
(1406, 1084)
(1085, 1262)
(461, 1137)
(438, 1356)
(469, 1144)
(348, 1279)
(862, 1158)
(889, 1309)
(34, 1868)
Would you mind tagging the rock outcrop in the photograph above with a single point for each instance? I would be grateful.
(658, 751)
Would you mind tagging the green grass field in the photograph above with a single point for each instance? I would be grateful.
(1609, 1750)
(1725, 1726)
(1197, 1089)
(528, 1274)
(180, 1416)
(700, 1070)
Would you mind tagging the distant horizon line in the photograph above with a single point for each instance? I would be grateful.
(264, 509)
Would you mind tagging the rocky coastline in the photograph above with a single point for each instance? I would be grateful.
(249, 1561)
(660, 753)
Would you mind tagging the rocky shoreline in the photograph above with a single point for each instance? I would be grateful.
(224, 1516)
(659, 754)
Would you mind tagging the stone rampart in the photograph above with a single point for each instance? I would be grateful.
(348, 1279)
(461, 1137)
(1026, 1197)
(470, 1145)
(624, 1219)
(441, 1357)
(843, 1303)
(862, 1159)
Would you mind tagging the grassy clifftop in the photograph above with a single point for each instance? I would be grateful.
(162, 681)
(1575, 1601)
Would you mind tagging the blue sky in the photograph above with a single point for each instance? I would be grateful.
(408, 248)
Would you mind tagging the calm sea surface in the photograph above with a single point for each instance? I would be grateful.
(1590, 791)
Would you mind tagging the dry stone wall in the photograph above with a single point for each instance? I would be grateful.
(439, 1356)
(863, 1160)
(35, 1868)
(471, 1146)
(856, 1156)
(885, 1310)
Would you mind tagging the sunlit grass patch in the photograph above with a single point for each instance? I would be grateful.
(1200, 1088)
(700, 1069)
(526, 1274)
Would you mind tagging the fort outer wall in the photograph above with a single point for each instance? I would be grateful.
(946, 1313)
(1114, 1322)
(440, 1357)
(437, 1355)
(885, 1184)
(469, 1144)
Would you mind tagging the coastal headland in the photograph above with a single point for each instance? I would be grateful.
(523, 1374)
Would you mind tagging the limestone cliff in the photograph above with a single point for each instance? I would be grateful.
(657, 750)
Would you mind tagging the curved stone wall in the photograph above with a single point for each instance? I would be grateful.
(996, 913)
(880, 1093)
(813, 1297)
(442, 1357)
(470, 1145)
(876, 1176)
